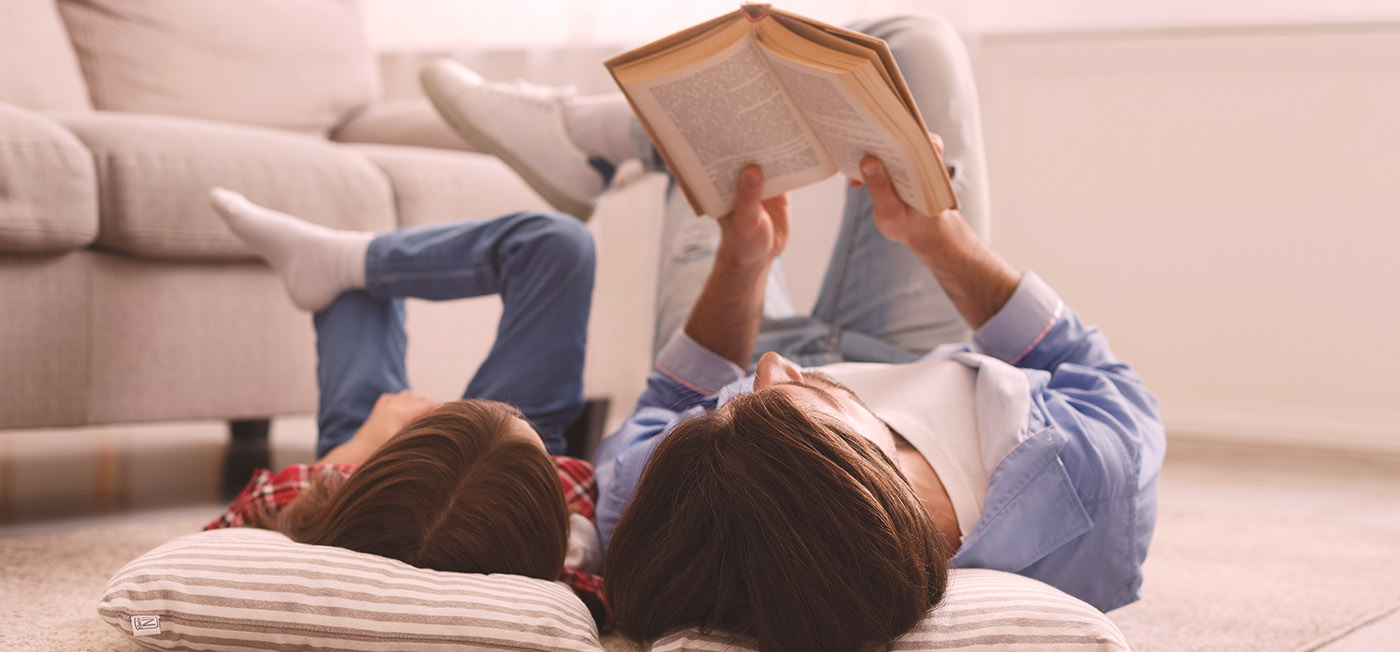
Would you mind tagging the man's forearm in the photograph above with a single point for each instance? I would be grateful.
(978, 280)
(726, 316)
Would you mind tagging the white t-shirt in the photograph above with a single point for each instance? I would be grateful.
(932, 404)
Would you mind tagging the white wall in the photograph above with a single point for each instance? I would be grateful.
(1010, 16)
(396, 24)
(399, 24)
(1225, 204)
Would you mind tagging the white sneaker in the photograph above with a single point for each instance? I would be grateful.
(523, 125)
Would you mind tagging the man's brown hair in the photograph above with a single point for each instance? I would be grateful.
(455, 491)
(786, 527)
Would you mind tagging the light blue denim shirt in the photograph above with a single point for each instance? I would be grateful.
(1073, 502)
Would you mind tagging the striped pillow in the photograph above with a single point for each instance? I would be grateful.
(983, 610)
(249, 589)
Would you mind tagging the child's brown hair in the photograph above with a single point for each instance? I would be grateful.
(456, 490)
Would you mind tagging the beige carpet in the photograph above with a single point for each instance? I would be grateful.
(1252, 553)
(1268, 551)
(53, 581)
(1231, 581)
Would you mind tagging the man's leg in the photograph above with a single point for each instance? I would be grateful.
(541, 265)
(877, 298)
(935, 64)
(565, 146)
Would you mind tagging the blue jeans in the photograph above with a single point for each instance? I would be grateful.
(540, 264)
(878, 302)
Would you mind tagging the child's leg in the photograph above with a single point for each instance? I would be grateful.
(876, 292)
(541, 265)
(360, 344)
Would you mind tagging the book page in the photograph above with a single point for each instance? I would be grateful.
(847, 128)
(714, 117)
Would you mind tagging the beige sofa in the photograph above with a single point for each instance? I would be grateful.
(124, 299)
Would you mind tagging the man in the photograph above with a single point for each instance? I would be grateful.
(1031, 447)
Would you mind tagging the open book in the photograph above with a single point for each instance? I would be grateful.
(799, 98)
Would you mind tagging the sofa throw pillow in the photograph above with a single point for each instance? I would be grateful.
(250, 589)
(983, 611)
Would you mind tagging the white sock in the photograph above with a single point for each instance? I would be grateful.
(316, 263)
(601, 125)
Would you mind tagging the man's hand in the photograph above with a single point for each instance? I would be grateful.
(895, 219)
(978, 281)
(390, 414)
(756, 232)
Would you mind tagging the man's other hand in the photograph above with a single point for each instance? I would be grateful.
(978, 281)
(895, 219)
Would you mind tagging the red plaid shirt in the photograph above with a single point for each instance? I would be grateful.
(275, 490)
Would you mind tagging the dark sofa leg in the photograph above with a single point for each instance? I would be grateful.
(247, 451)
(582, 436)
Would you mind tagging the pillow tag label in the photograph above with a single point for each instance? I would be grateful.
(145, 625)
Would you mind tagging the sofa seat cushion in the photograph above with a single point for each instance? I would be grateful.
(38, 69)
(436, 185)
(154, 175)
(302, 66)
(48, 189)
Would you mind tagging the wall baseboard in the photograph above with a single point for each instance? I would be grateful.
(1351, 434)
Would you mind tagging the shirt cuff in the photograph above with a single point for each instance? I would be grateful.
(1022, 323)
(691, 364)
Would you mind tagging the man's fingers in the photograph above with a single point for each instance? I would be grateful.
(777, 209)
(776, 204)
(937, 143)
(886, 202)
(746, 201)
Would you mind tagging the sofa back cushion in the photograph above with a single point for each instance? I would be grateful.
(37, 67)
(302, 66)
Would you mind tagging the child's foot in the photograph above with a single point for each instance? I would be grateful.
(316, 263)
(524, 126)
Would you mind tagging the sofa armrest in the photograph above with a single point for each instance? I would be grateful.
(412, 122)
(48, 185)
